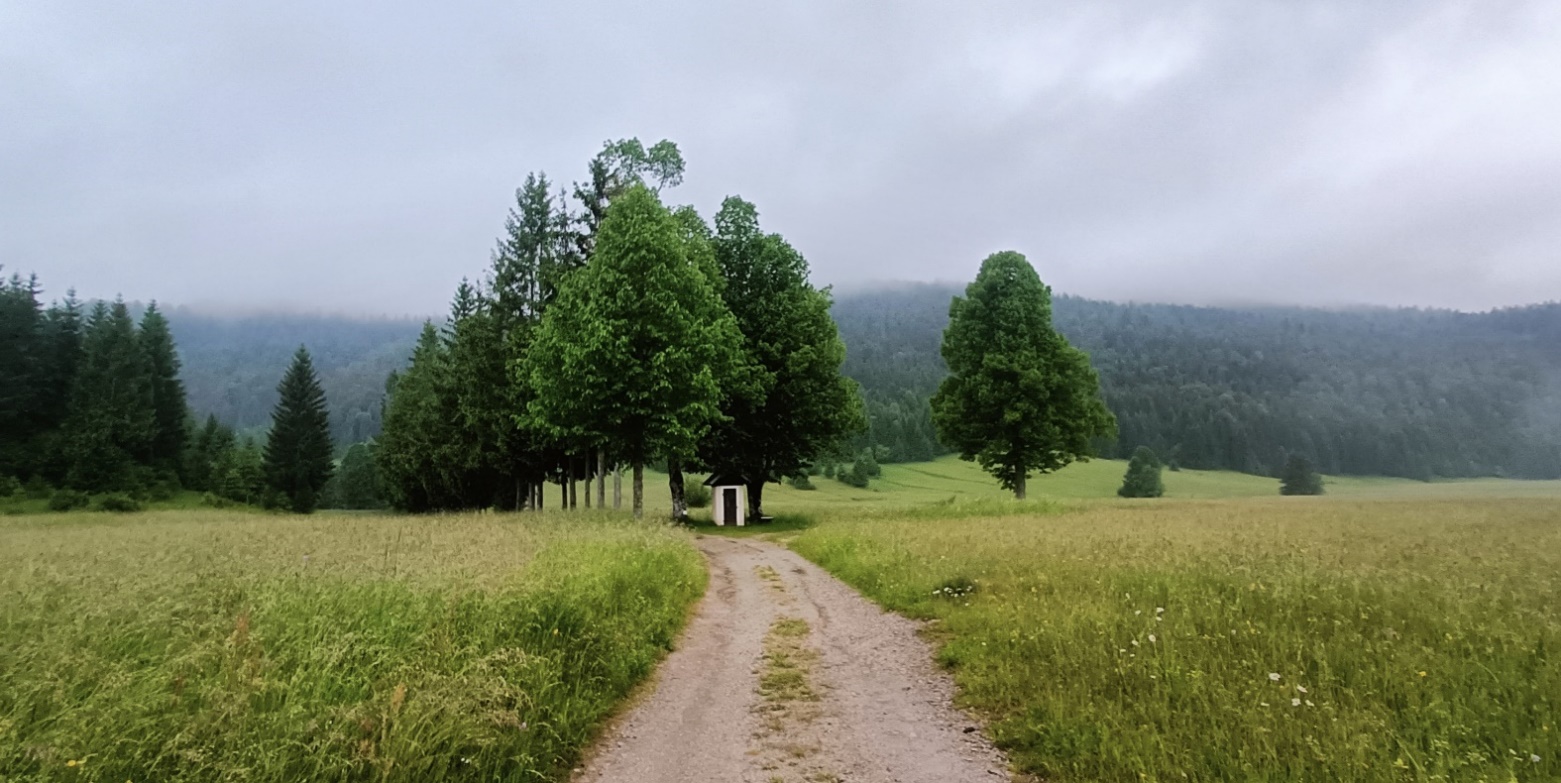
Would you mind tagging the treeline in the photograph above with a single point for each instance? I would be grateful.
(1411, 393)
(611, 330)
(91, 403)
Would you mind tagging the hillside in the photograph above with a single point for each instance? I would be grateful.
(1409, 393)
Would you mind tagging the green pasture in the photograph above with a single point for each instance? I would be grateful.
(216, 645)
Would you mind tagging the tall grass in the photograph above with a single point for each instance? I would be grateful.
(1252, 640)
(217, 646)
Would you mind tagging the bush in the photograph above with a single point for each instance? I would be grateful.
(214, 500)
(119, 502)
(38, 488)
(9, 486)
(801, 482)
(695, 492)
(68, 500)
(857, 476)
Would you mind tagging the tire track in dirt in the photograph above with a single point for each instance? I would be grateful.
(879, 710)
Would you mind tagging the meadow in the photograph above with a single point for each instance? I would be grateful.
(1397, 638)
(214, 645)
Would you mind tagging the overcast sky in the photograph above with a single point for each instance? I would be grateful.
(361, 156)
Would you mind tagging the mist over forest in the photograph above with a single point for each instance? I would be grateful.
(1397, 392)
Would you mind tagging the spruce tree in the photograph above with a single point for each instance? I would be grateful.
(1299, 478)
(111, 419)
(297, 456)
(1143, 476)
(169, 411)
(1018, 398)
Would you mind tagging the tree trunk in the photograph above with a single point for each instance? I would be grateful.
(675, 483)
(1019, 487)
(536, 489)
(574, 497)
(755, 501)
(617, 486)
(520, 502)
(588, 479)
(601, 478)
(639, 490)
(563, 494)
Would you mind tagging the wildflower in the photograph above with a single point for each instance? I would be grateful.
(1151, 639)
(1295, 702)
(1309, 703)
(1159, 610)
(1422, 674)
(1274, 676)
(1134, 642)
(1534, 757)
(1137, 612)
(1263, 703)
(1301, 688)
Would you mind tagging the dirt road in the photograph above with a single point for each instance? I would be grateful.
(787, 675)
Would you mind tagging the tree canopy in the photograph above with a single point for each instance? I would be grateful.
(1018, 398)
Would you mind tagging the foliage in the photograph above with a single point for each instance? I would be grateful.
(356, 484)
(119, 502)
(297, 456)
(1142, 479)
(1094, 633)
(68, 500)
(266, 648)
(1299, 478)
(695, 492)
(632, 351)
(794, 404)
(1411, 393)
(1018, 398)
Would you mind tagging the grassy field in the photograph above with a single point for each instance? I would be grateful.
(1272, 639)
(208, 645)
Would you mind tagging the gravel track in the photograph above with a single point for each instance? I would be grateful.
(884, 712)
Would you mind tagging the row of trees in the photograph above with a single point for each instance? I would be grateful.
(613, 330)
(91, 401)
(89, 398)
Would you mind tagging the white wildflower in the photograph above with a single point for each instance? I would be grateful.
(1137, 612)
(1309, 703)
(1151, 639)
(1301, 688)
(1134, 642)
(1263, 704)
(1159, 610)
(1273, 676)
(1295, 702)
(1534, 757)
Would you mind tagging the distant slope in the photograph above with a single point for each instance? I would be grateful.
(233, 364)
(1412, 393)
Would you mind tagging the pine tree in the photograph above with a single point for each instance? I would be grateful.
(1299, 478)
(111, 419)
(421, 415)
(1018, 399)
(22, 353)
(1142, 479)
(631, 353)
(298, 449)
(169, 411)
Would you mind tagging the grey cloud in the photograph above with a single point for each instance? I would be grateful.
(360, 157)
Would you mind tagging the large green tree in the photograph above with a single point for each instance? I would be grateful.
(421, 418)
(298, 448)
(1142, 479)
(111, 421)
(794, 405)
(632, 352)
(165, 448)
(1299, 478)
(1018, 399)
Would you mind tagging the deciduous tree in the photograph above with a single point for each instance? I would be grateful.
(1142, 479)
(1018, 399)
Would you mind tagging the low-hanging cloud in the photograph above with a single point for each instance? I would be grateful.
(361, 156)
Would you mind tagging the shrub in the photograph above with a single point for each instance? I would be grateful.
(1143, 476)
(68, 500)
(857, 476)
(119, 502)
(1299, 478)
(38, 488)
(9, 486)
(695, 492)
(801, 481)
(214, 500)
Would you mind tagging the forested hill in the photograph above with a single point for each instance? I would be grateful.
(1415, 393)
(232, 364)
